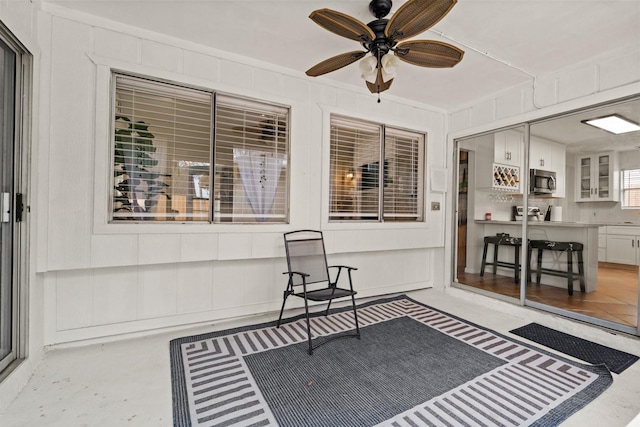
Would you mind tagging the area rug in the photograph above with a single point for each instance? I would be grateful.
(616, 360)
(413, 366)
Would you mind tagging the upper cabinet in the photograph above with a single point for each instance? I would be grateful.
(508, 148)
(549, 156)
(597, 177)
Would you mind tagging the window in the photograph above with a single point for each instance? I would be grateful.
(631, 189)
(376, 172)
(174, 162)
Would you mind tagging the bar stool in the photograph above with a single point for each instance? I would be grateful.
(502, 239)
(570, 248)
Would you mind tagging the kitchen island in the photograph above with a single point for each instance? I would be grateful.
(584, 233)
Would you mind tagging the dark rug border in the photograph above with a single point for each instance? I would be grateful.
(618, 369)
(558, 414)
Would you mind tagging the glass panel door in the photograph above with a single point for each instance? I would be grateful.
(584, 260)
(489, 213)
(7, 138)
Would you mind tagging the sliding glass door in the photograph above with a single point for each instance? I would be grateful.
(547, 216)
(14, 70)
(490, 189)
(585, 259)
(7, 121)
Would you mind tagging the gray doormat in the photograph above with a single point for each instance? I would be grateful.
(616, 360)
(414, 365)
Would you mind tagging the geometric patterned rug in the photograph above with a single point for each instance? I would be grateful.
(414, 366)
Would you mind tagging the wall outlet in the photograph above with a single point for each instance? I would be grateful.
(435, 206)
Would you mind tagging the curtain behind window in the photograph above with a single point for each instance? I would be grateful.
(252, 143)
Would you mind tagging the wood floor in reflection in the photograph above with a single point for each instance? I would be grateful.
(616, 297)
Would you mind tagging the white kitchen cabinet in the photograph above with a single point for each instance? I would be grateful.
(508, 147)
(549, 156)
(602, 244)
(623, 245)
(542, 154)
(597, 178)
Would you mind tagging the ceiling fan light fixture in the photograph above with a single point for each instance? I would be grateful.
(381, 36)
(390, 64)
(613, 123)
(369, 68)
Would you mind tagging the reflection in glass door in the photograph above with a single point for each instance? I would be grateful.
(584, 261)
(575, 224)
(489, 235)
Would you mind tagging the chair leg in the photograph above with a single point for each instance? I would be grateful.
(495, 259)
(284, 301)
(484, 259)
(570, 271)
(306, 311)
(539, 264)
(355, 315)
(326, 313)
(529, 253)
(516, 264)
(583, 287)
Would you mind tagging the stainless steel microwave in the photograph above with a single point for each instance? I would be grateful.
(542, 182)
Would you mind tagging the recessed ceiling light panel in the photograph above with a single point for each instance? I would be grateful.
(613, 123)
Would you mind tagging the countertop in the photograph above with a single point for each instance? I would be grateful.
(543, 223)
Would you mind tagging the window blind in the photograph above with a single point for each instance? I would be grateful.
(355, 184)
(404, 184)
(376, 172)
(162, 154)
(631, 188)
(251, 161)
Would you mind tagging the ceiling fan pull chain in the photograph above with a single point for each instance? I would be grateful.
(378, 79)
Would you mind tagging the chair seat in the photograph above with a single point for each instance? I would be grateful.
(327, 294)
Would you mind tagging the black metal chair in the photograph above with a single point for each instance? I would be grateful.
(308, 271)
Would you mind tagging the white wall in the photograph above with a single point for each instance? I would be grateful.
(109, 279)
(20, 17)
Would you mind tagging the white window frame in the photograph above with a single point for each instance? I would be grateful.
(214, 217)
(355, 173)
(624, 188)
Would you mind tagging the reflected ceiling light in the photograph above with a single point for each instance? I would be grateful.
(613, 123)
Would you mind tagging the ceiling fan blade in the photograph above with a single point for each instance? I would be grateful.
(429, 53)
(342, 25)
(380, 85)
(416, 16)
(335, 63)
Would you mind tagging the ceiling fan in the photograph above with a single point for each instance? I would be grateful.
(380, 37)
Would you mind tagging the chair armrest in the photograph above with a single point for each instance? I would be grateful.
(342, 266)
(291, 273)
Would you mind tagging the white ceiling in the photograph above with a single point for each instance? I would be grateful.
(506, 42)
(536, 36)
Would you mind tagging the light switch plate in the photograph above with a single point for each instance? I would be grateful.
(435, 206)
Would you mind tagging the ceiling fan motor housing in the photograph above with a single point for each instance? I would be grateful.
(380, 8)
(381, 44)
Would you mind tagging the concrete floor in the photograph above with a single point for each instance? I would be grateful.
(127, 382)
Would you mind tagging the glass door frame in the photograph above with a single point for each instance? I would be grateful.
(522, 300)
(17, 220)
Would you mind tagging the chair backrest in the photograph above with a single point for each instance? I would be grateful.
(306, 254)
